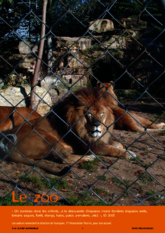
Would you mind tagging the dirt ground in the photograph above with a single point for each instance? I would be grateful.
(106, 181)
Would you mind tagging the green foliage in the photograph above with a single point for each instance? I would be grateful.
(14, 80)
(100, 191)
(41, 182)
(103, 178)
(115, 180)
(84, 10)
(138, 158)
(146, 178)
(89, 166)
(152, 195)
(62, 184)
(33, 179)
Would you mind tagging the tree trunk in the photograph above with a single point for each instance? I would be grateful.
(49, 39)
(33, 101)
(50, 53)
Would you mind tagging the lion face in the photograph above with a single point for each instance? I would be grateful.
(95, 121)
(88, 116)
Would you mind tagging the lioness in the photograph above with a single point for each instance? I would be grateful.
(127, 120)
(10, 116)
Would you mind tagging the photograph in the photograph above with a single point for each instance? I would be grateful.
(82, 115)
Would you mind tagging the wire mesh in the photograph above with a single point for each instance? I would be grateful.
(88, 42)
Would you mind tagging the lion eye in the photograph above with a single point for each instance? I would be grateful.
(102, 114)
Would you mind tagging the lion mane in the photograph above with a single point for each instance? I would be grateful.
(84, 120)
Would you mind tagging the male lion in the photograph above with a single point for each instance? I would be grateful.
(76, 127)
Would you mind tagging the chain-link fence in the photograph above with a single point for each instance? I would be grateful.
(87, 44)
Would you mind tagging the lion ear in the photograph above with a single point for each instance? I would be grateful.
(112, 83)
(98, 84)
(108, 85)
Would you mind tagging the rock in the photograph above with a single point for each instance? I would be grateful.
(115, 43)
(74, 63)
(26, 48)
(63, 86)
(101, 25)
(55, 85)
(134, 33)
(78, 62)
(29, 59)
(77, 80)
(43, 107)
(50, 83)
(19, 96)
(25, 65)
(74, 42)
(1, 83)
(134, 23)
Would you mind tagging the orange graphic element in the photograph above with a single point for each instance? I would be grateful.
(81, 218)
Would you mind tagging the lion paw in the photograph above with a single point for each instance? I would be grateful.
(118, 145)
(89, 157)
(161, 125)
(131, 154)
